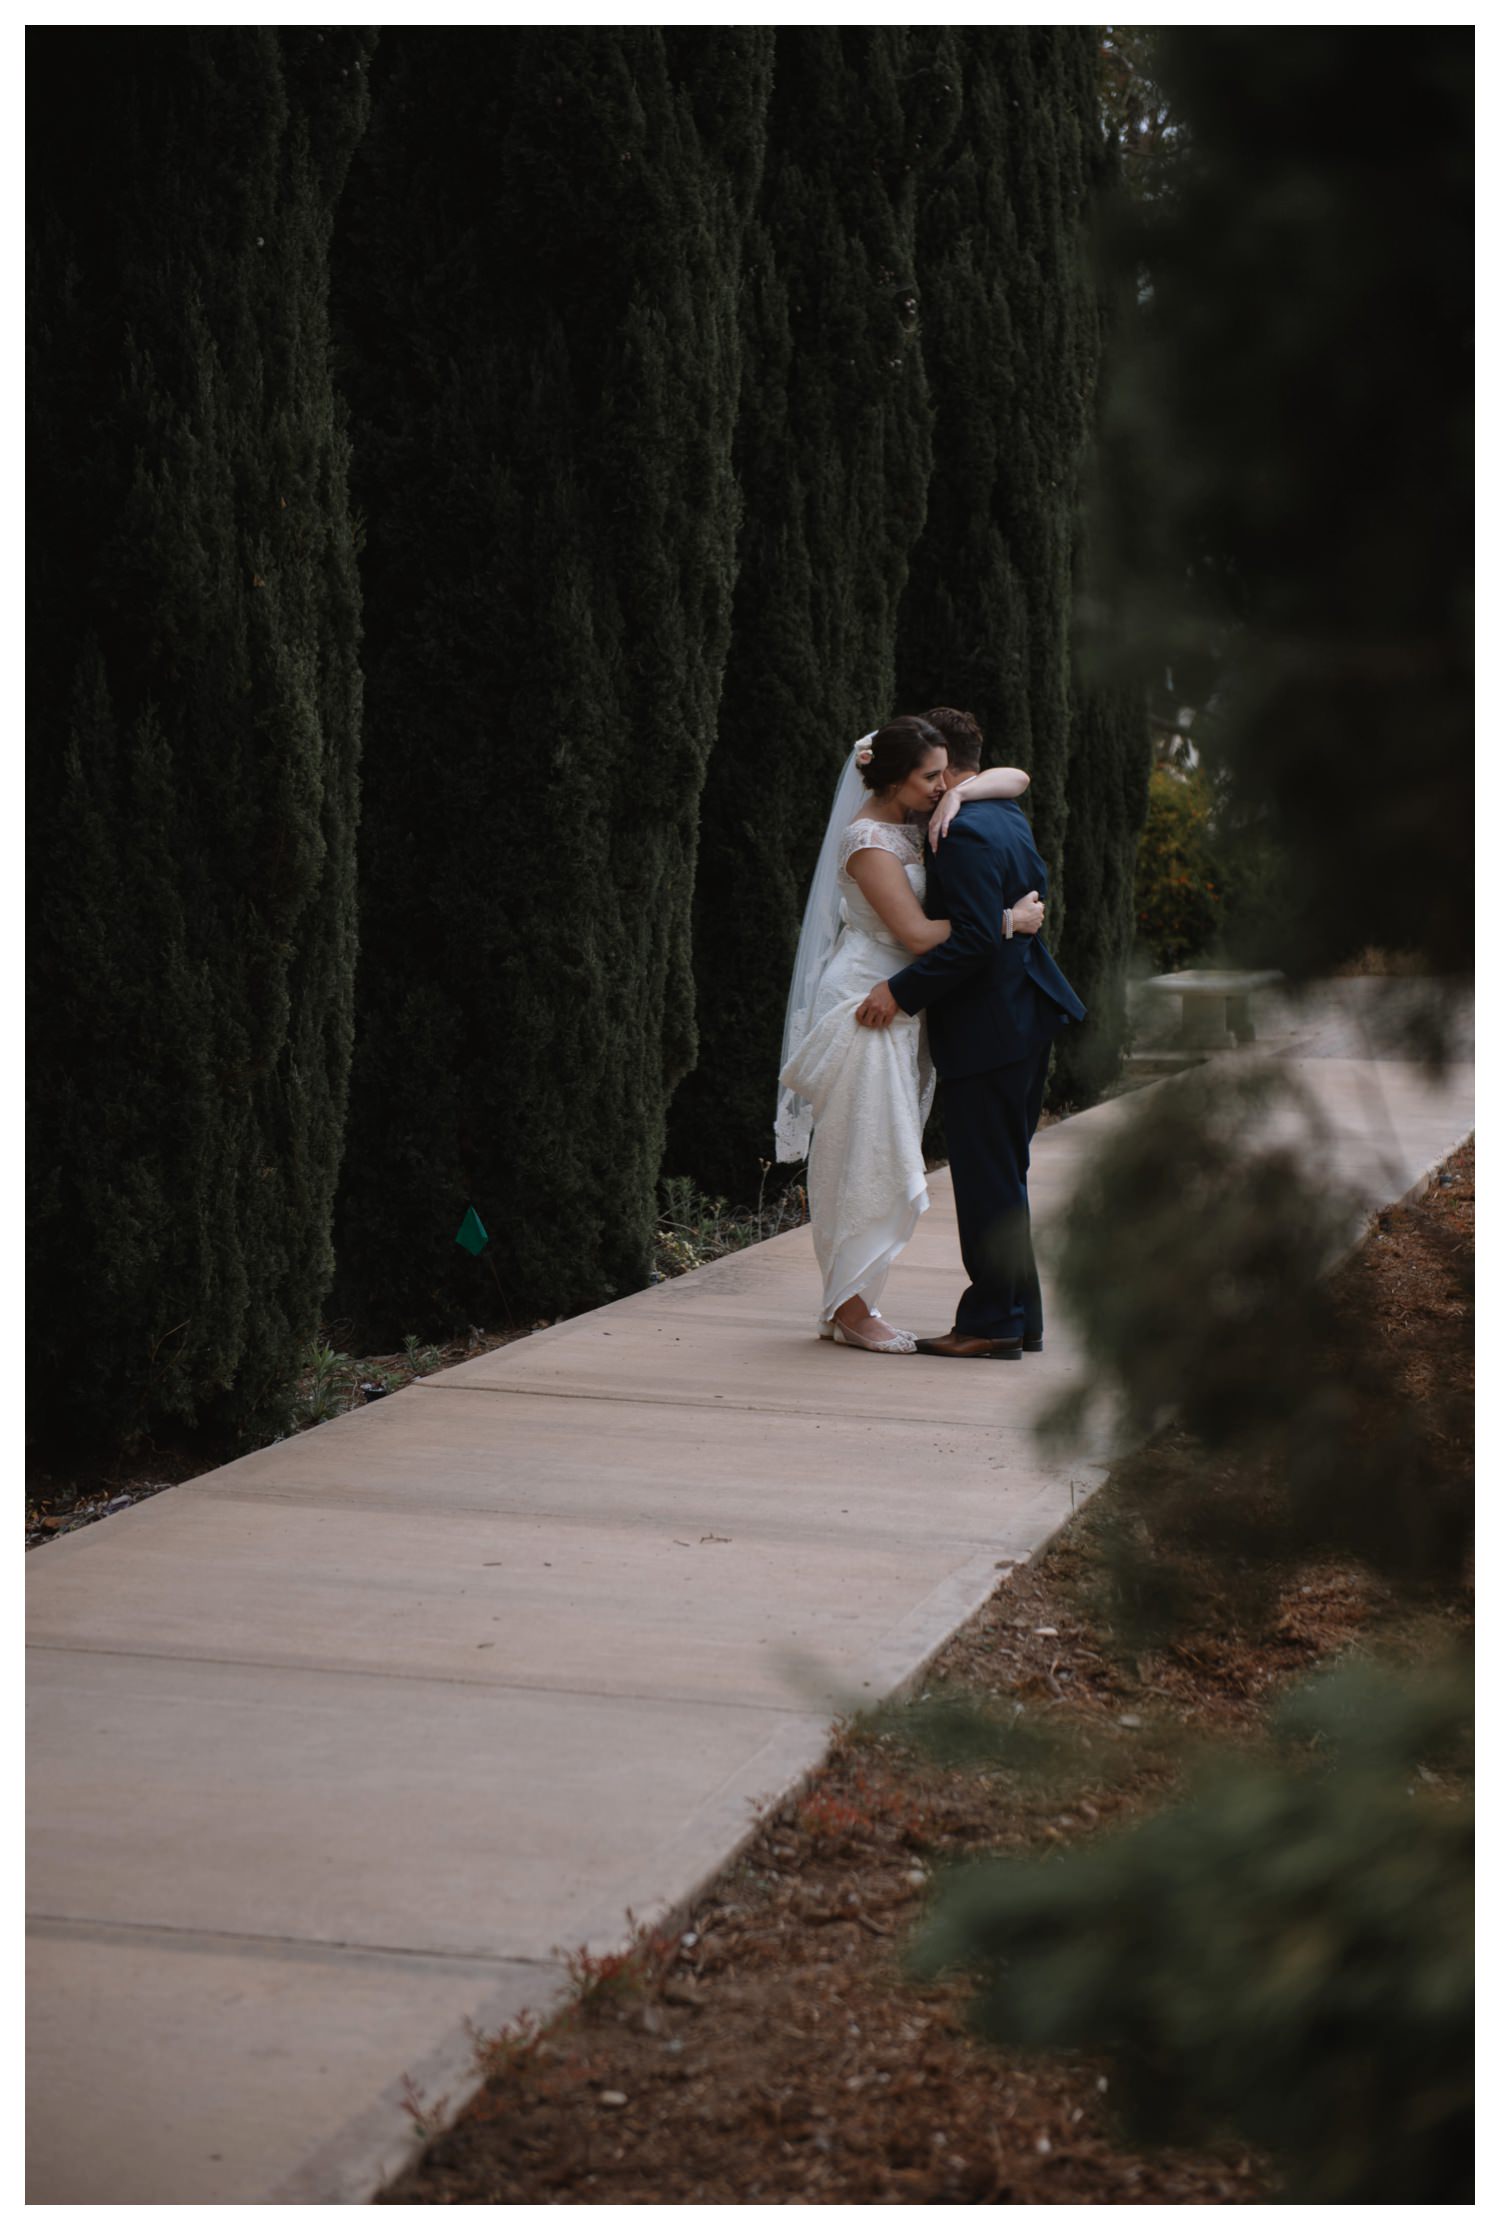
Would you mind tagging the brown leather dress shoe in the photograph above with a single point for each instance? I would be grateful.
(972, 1350)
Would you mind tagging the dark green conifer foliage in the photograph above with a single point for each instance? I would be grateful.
(1013, 331)
(193, 719)
(1109, 766)
(833, 452)
(1322, 552)
(541, 270)
(1010, 320)
(1109, 748)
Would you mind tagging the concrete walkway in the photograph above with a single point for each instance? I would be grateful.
(332, 1749)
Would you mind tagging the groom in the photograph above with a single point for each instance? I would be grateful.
(995, 1002)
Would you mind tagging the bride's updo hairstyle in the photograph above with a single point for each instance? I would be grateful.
(897, 750)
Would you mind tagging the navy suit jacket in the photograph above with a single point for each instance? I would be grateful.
(990, 1000)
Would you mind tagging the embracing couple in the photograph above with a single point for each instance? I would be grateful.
(920, 953)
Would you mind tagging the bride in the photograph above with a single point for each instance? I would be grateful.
(862, 1097)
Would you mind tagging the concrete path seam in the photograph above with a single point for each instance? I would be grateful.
(416, 1679)
(163, 1932)
(688, 1401)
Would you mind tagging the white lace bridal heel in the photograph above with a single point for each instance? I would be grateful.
(899, 1343)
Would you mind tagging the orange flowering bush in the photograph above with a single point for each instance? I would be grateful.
(1179, 883)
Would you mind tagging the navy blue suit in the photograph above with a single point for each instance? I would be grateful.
(993, 1006)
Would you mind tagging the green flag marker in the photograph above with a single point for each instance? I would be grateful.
(472, 1234)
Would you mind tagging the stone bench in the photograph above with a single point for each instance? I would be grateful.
(1215, 1005)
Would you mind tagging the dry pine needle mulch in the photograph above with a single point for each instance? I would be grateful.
(776, 2052)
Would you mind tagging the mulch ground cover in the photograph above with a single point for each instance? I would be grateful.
(772, 2049)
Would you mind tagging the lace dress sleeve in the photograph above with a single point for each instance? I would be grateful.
(879, 836)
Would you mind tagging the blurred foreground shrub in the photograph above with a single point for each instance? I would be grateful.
(1286, 1956)
(1194, 1260)
(1305, 570)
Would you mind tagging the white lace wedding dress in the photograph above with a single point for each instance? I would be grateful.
(870, 1090)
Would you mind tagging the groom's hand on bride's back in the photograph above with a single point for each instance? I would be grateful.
(878, 1008)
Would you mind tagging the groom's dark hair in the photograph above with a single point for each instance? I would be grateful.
(962, 734)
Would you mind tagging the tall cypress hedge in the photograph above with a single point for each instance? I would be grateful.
(1010, 317)
(1109, 745)
(833, 451)
(1109, 766)
(539, 286)
(193, 719)
(1014, 318)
